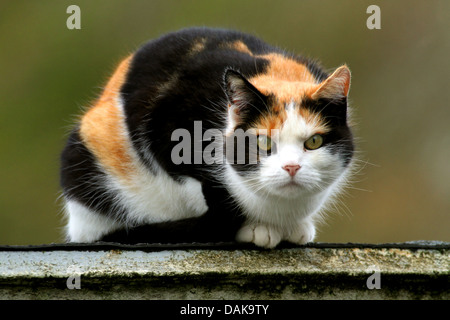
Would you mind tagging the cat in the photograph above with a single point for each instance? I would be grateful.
(125, 177)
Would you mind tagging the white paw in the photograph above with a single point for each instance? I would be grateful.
(304, 233)
(261, 235)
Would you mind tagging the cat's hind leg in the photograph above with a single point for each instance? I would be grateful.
(86, 225)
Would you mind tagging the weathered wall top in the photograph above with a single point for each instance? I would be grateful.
(417, 270)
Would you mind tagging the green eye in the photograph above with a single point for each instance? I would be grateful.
(314, 142)
(264, 142)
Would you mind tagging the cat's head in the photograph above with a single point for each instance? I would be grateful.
(297, 138)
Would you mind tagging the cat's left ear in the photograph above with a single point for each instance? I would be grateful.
(336, 86)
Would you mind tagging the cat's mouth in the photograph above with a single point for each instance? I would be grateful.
(288, 189)
(291, 184)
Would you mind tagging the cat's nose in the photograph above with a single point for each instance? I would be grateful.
(291, 169)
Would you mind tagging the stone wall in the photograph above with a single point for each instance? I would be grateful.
(416, 270)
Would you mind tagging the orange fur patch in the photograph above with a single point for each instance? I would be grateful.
(290, 80)
(286, 69)
(314, 119)
(239, 46)
(271, 121)
(286, 78)
(276, 120)
(198, 46)
(103, 130)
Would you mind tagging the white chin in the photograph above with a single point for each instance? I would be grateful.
(286, 190)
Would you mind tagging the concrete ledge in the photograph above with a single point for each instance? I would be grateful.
(417, 270)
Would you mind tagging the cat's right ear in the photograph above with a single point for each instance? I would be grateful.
(336, 86)
(243, 97)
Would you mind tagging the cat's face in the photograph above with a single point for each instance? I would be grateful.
(301, 146)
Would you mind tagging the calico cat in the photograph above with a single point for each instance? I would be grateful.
(126, 177)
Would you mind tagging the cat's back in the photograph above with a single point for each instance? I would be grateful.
(198, 47)
(175, 61)
(201, 55)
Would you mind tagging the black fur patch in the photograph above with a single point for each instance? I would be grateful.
(339, 139)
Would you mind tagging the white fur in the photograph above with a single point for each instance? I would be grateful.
(152, 198)
(276, 208)
(85, 225)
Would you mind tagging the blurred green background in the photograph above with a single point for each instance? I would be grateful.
(400, 95)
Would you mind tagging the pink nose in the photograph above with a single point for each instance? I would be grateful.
(291, 169)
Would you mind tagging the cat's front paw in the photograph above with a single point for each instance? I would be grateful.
(260, 234)
(304, 232)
